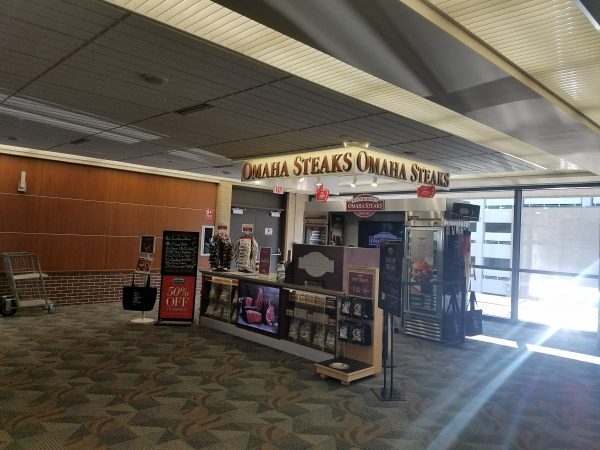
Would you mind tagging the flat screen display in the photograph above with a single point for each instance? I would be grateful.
(371, 233)
(259, 308)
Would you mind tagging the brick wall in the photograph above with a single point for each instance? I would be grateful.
(75, 288)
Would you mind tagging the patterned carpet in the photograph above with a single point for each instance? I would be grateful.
(87, 378)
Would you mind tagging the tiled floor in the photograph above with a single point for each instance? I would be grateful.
(86, 378)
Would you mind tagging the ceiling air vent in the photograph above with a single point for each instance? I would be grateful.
(193, 109)
(79, 141)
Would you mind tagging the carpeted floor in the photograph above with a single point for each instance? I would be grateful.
(87, 378)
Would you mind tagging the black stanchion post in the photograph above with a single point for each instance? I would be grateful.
(385, 352)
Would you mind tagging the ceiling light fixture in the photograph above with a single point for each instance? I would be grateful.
(353, 183)
(47, 114)
(301, 180)
(374, 183)
(319, 183)
(153, 79)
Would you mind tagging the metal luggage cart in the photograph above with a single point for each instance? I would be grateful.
(26, 283)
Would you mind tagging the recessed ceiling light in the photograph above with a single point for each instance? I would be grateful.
(153, 79)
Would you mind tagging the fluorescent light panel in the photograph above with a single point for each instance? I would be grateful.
(34, 111)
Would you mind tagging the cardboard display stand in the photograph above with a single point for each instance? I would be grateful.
(179, 271)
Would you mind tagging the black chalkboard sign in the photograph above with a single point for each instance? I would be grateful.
(390, 276)
(180, 253)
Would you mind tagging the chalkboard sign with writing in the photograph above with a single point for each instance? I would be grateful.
(390, 276)
(180, 253)
(361, 282)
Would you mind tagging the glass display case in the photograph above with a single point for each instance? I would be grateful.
(310, 319)
(434, 282)
(219, 298)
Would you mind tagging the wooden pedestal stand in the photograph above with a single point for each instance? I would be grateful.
(361, 360)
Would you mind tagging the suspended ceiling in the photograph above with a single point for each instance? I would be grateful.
(246, 79)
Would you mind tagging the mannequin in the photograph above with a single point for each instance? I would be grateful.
(220, 252)
(245, 253)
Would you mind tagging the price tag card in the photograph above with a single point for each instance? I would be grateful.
(361, 282)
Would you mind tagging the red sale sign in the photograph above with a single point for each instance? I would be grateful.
(177, 297)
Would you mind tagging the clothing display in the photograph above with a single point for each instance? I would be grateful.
(245, 254)
(220, 252)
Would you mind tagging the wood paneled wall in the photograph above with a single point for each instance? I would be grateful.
(85, 218)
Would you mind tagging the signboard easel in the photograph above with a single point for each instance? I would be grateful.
(179, 271)
(390, 301)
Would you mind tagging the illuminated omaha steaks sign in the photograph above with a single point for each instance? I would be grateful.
(344, 161)
(365, 205)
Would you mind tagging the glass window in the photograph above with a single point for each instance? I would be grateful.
(493, 291)
(495, 227)
(500, 263)
(564, 301)
(492, 288)
(559, 255)
(560, 239)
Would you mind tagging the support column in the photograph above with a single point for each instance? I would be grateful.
(223, 206)
(294, 220)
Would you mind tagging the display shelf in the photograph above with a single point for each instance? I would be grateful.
(366, 359)
(311, 314)
(317, 305)
(357, 311)
(310, 345)
(218, 298)
(283, 345)
(312, 306)
(317, 321)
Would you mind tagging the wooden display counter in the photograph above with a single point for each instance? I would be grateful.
(359, 355)
(339, 330)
